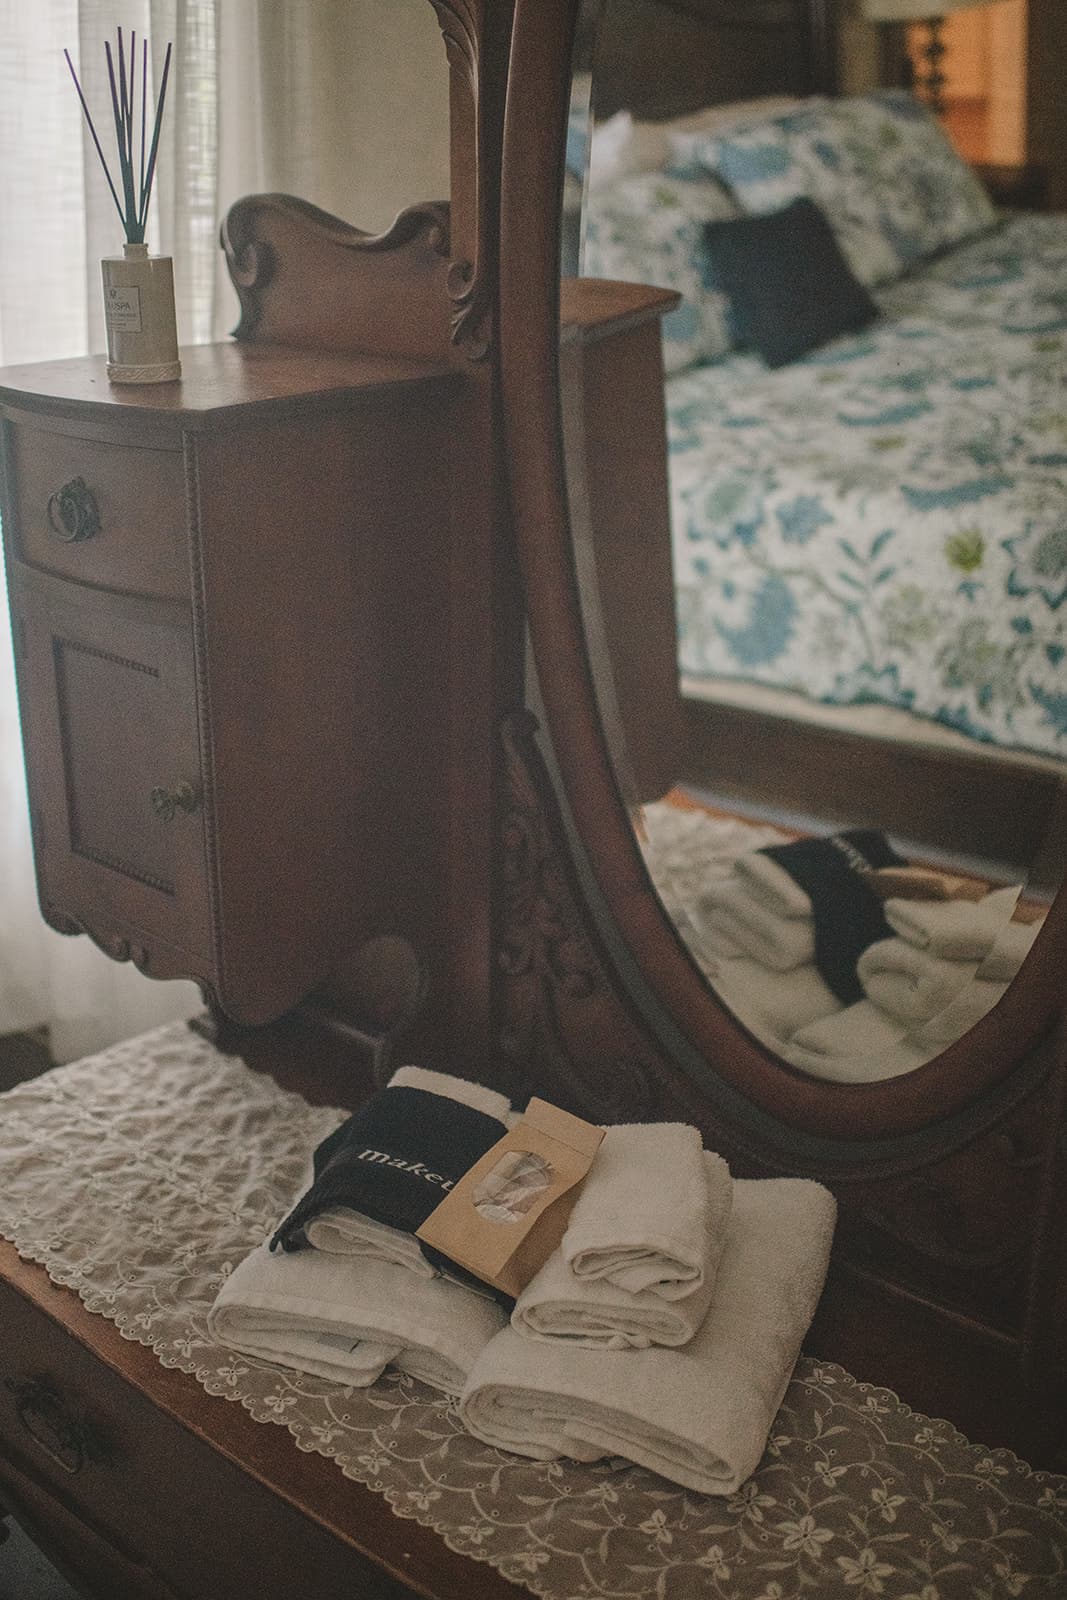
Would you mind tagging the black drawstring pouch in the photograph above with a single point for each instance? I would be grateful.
(847, 913)
(394, 1160)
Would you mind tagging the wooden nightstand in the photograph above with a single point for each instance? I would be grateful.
(1020, 186)
(202, 577)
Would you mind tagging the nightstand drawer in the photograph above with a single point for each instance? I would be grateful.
(110, 515)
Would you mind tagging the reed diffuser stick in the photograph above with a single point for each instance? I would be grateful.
(136, 169)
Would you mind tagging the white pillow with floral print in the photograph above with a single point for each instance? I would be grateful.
(930, 197)
(878, 166)
(806, 153)
(649, 228)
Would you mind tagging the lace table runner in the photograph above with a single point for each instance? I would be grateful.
(141, 1176)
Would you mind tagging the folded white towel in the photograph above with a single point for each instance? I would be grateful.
(727, 910)
(958, 930)
(1009, 950)
(348, 1319)
(648, 1209)
(771, 884)
(597, 1314)
(701, 1415)
(781, 1001)
(910, 984)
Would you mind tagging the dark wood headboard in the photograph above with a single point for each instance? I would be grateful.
(662, 58)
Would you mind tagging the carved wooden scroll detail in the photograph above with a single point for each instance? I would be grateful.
(477, 38)
(562, 1025)
(964, 1227)
(305, 278)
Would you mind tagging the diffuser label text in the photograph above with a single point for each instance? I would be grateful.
(122, 308)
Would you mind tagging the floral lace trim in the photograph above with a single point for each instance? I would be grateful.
(140, 1177)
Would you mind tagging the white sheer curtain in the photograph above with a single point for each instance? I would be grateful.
(343, 102)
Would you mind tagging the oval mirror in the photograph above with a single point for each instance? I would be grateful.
(794, 605)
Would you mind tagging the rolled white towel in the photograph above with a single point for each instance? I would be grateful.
(648, 1210)
(907, 983)
(699, 1416)
(728, 910)
(781, 1001)
(344, 1232)
(348, 1319)
(1010, 949)
(957, 930)
(597, 1314)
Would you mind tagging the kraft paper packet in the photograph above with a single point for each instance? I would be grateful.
(508, 1213)
(923, 883)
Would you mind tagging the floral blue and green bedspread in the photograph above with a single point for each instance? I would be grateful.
(886, 520)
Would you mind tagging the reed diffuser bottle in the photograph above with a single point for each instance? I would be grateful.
(142, 335)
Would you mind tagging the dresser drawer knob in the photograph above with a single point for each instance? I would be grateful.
(72, 513)
(166, 802)
(71, 1443)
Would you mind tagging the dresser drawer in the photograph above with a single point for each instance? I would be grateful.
(106, 514)
(133, 1501)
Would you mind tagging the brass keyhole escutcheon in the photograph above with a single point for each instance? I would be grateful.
(72, 512)
(167, 802)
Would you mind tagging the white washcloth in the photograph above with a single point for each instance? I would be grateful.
(958, 930)
(781, 1001)
(348, 1319)
(648, 1209)
(771, 884)
(1010, 949)
(728, 910)
(699, 1416)
(597, 1314)
(910, 984)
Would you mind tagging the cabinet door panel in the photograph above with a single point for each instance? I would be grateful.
(109, 711)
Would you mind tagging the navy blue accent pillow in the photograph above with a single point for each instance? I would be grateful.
(790, 287)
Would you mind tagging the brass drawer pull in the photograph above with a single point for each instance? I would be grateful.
(165, 802)
(69, 1442)
(72, 513)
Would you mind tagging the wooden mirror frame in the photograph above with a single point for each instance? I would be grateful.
(972, 1073)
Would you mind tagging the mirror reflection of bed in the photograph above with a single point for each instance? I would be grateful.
(856, 572)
